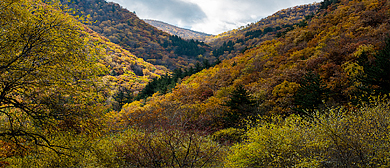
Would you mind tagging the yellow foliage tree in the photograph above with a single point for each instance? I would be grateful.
(48, 72)
(341, 138)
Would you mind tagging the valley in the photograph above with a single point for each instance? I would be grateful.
(89, 84)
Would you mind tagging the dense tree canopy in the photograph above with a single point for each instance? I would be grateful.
(47, 71)
(328, 44)
(133, 34)
(376, 71)
(310, 95)
(53, 96)
(234, 42)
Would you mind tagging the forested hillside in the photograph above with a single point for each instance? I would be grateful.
(183, 33)
(329, 55)
(124, 28)
(232, 43)
(340, 58)
(50, 81)
(312, 95)
(125, 74)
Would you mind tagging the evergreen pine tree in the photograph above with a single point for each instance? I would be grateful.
(327, 3)
(198, 67)
(206, 64)
(376, 77)
(123, 96)
(310, 94)
(241, 106)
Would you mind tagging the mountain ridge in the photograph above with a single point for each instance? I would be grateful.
(274, 71)
(124, 28)
(234, 42)
(298, 91)
(178, 31)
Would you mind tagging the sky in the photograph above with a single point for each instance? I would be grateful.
(208, 16)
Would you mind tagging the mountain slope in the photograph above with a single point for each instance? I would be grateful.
(56, 94)
(126, 74)
(231, 43)
(174, 30)
(275, 71)
(123, 27)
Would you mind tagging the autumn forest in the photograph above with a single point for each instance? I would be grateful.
(86, 83)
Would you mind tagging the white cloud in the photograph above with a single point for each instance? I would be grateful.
(209, 16)
(175, 12)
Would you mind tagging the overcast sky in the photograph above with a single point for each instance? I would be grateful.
(209, 16)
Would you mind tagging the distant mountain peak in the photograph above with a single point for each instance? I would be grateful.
(174, 30)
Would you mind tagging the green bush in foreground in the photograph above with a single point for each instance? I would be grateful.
(77, 151)
(341, 138)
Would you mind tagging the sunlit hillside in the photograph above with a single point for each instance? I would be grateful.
(232, 43)
(329, 55)
(124, 28)
(306, 87)
(126, 74)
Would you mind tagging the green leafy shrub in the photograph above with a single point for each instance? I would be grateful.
(76, 151)
(274, 144)
(341, 138)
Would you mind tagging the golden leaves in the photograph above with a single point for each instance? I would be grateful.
(339, 138)
(285, 89)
